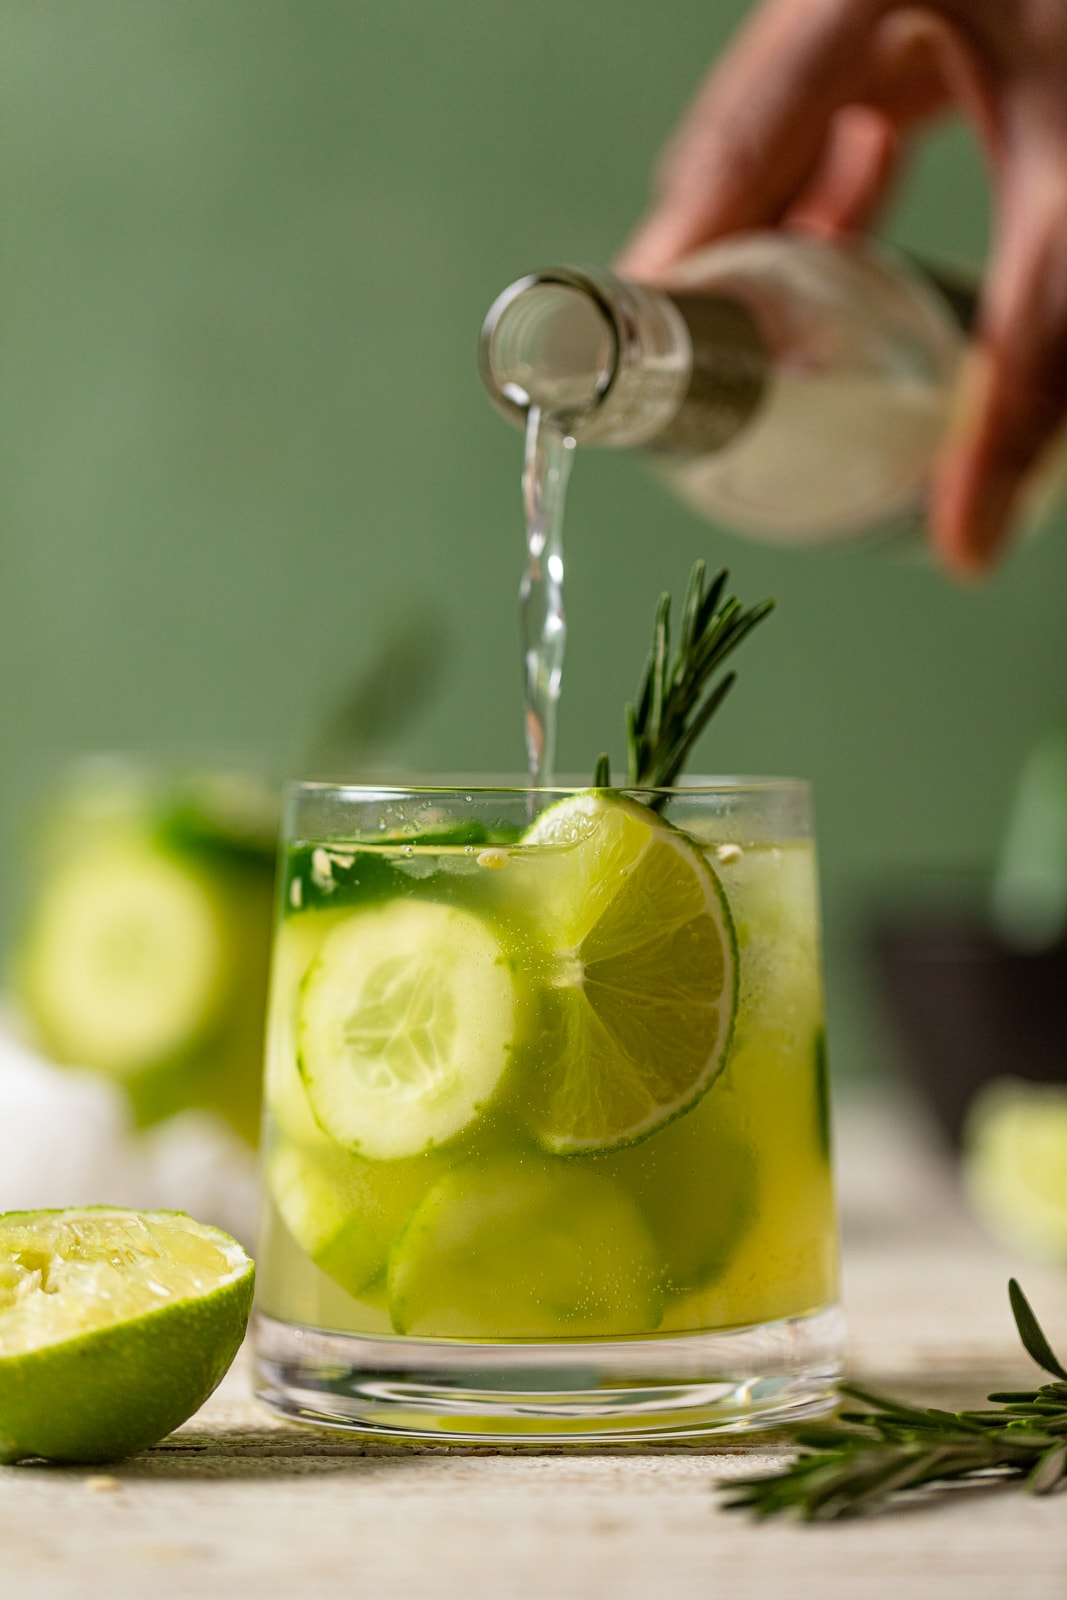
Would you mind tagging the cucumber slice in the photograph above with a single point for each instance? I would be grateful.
(296, 947)
(125, 964)
(524, 1247)
(696, 1182)
(344, 1212)
(406, 1024)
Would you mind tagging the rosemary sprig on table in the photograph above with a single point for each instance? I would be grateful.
(863, 1459)
(676, 698)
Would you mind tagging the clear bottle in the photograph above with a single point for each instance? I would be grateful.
(790, 388)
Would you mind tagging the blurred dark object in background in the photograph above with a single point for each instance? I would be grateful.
(977, 988)
(966, 1008)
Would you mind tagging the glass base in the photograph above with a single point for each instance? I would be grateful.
(663, 1387)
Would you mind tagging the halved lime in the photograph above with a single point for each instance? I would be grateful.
(641, 985)
(406, 1026)
(1015, 1165)
(115, 1326)
(525, 1247)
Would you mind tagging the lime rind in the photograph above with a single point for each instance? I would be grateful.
(94, 1385)
(624, 1006)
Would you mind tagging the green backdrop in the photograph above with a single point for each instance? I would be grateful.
(249, 245)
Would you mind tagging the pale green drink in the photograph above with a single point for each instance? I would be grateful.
(541, 1086)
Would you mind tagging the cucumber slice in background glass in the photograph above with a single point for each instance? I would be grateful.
(126, 962)
(146, 947)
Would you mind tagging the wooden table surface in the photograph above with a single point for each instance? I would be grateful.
(237, 1504)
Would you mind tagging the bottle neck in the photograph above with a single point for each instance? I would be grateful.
(622, 364)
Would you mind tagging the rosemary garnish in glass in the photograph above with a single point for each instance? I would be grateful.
(861, 1460)
(676, 698)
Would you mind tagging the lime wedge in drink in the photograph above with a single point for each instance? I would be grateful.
(641, 988)
(115, 1326)
(1015, 1165)
(405, 1028)
(524, 1247)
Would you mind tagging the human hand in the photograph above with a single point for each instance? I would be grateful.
(803, 124)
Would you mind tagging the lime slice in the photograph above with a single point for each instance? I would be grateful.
(642, 982)
(525, 1248)
(405, 1027)
(1015, 1165)
(343, 1211)
(115, 1326)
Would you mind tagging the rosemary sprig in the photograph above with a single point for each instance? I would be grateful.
(863, 1459)
(676, 697)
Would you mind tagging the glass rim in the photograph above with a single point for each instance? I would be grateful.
(510, 784)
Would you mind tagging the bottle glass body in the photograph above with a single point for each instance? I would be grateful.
(789, 388)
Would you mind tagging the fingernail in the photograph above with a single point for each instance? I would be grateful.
(969, 524)
(991, 521)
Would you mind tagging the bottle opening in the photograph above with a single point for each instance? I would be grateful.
(549, 344)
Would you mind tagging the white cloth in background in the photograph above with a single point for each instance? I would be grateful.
(67, 1139)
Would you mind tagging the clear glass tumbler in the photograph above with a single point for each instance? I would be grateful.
(547, 1146)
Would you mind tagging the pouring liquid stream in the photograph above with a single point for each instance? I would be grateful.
(542, 622)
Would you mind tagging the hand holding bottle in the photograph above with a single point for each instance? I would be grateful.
(803, 124)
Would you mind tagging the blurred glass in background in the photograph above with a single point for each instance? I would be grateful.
(145, 952)
(141, 960)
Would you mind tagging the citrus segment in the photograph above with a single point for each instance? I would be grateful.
(115, 1326)
(638, 1008)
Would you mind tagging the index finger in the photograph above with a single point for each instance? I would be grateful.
(757, 126)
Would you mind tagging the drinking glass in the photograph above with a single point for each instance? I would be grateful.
(547, 1135)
